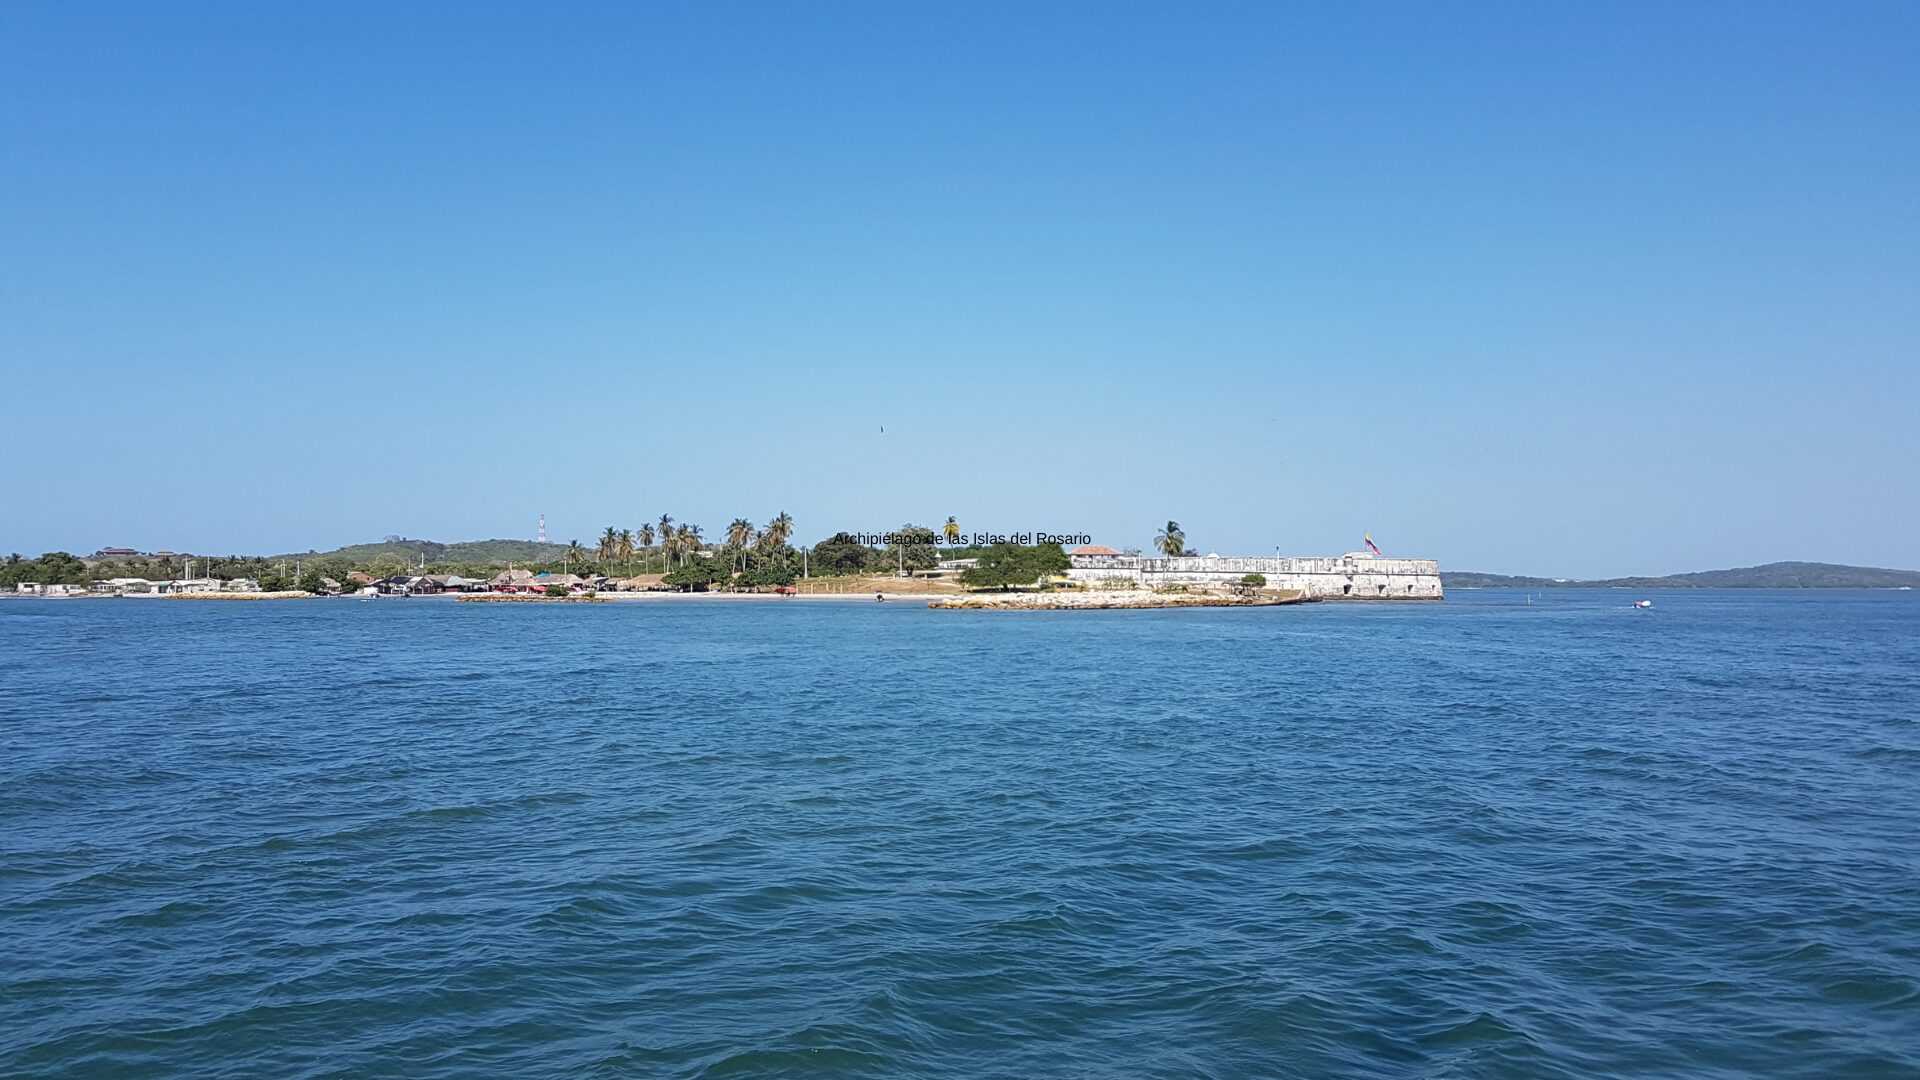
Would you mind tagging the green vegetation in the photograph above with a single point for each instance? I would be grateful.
(402, 553)
(1005, 565)
(650, 548)
(53, 568)
(746, 556)
(558, 591)
(699, 575)
(913, 548)
(1254, 581)
(1171, 541)
(842, 554)
(1803, 575)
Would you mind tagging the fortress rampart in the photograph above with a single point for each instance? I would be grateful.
(1354, 576)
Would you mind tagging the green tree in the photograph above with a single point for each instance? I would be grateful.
(778, 532)
(1005, 565)
(842, 554)
(768, 572)
(739, 535)
(59, 568)
(699, 575)
(1170, 540)
(669, 540)
(1047, 560)
(913, 549)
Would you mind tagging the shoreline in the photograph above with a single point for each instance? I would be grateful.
(1116, 600)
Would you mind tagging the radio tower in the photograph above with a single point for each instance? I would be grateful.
(543, 528)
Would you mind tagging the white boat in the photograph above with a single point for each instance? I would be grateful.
(1643, 603)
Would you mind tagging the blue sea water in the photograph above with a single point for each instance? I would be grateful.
(708, 838)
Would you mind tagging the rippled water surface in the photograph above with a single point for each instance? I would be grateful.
(724, 838)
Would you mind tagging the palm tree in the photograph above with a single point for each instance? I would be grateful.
(777, 532)
(623, 549)
(689, 541)
(1171, 541)
(952, 530)
(739, 535)
(646, 543)
(667, 545)
(609, 541)
(573, 552)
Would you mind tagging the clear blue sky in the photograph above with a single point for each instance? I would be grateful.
(1547, 288)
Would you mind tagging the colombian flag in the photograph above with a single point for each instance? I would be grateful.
(1370, 544)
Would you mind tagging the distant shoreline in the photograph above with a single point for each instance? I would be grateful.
(1778, 575)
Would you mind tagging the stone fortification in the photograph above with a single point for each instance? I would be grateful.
(1354, 576)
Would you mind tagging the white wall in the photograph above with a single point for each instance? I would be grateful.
(1326, 578)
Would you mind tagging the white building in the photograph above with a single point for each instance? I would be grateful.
(127, 586)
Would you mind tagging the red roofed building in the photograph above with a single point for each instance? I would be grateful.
(1102, 564)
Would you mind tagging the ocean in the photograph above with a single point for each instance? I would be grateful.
(695, 838)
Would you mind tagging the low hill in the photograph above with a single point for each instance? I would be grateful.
(1803, 575)
(472, 552)
(1780, 575)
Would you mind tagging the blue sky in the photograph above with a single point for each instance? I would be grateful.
(1568, 289)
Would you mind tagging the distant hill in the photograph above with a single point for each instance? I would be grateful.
(1803, 575)
(1780, 575)
(487, 552)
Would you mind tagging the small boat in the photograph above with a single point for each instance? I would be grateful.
(1643, 603)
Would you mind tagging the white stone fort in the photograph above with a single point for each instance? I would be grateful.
(1357, 575)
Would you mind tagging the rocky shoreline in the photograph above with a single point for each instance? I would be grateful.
(1076, 600)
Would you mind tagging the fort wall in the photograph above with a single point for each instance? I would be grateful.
(1354, 576)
